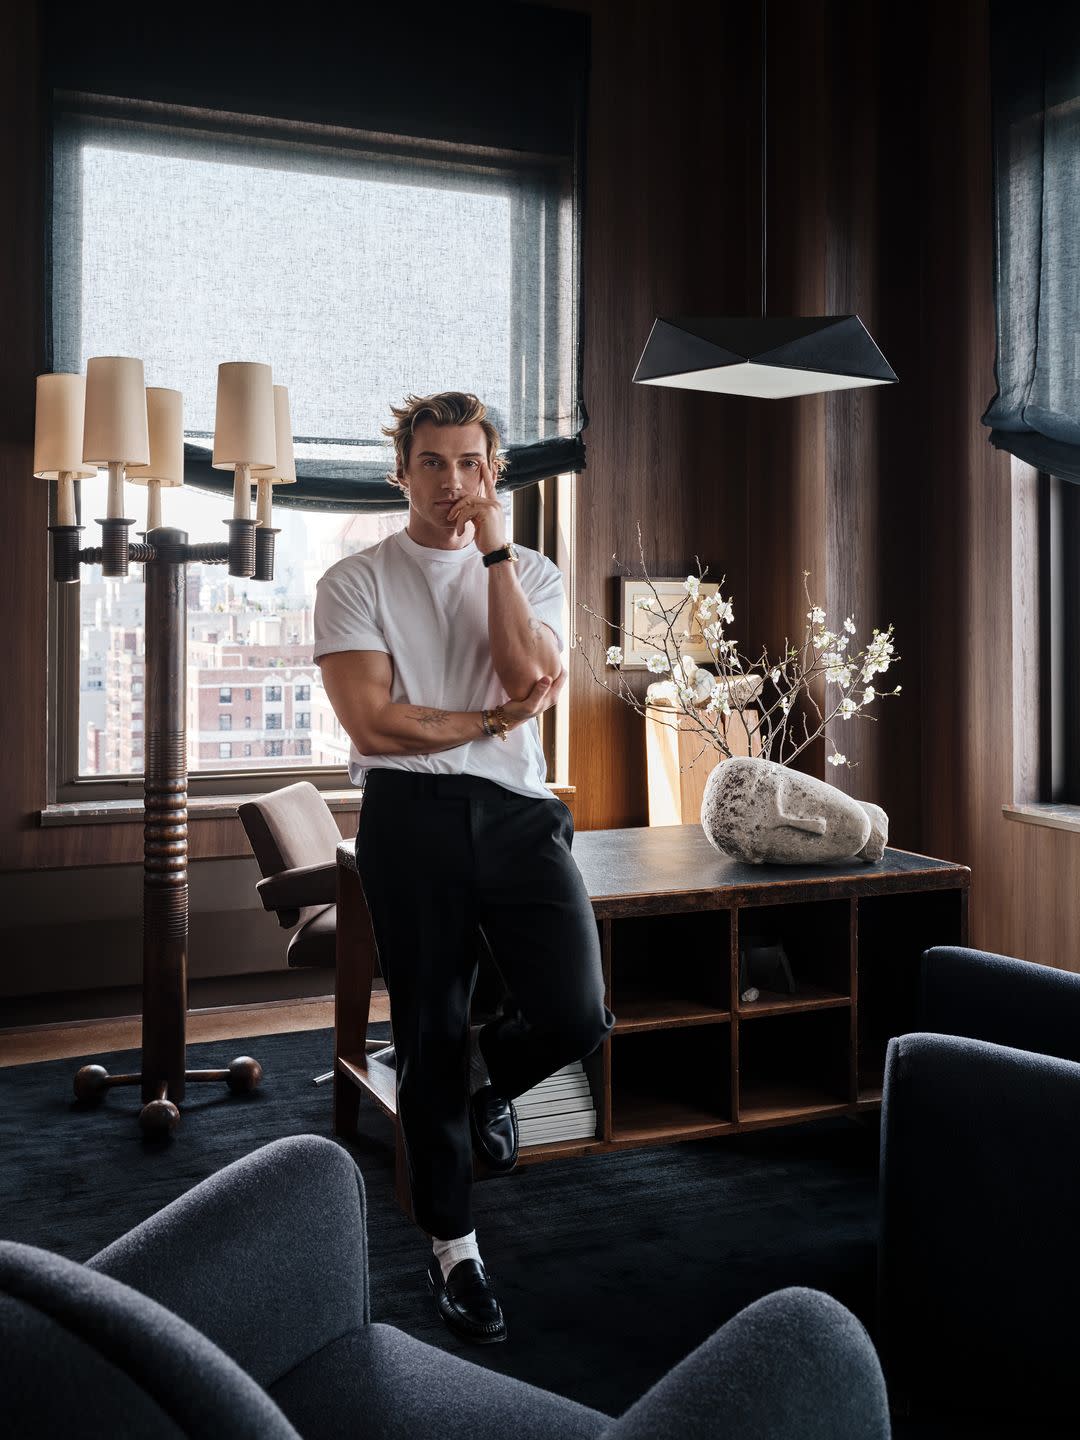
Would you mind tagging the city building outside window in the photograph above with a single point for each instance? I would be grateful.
(303, 720)
(225, 695)
(273, 692)
(225, 751)
(224, 722)
(274, 747)
(273, 721)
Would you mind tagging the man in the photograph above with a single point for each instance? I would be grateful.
(439, 647)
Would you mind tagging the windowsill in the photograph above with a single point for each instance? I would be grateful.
(1053, 816)
(199, 807)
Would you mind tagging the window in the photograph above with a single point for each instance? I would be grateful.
(303, 747)
(247, 722)
(416, 334)
(224, 722)
(225, 751)
(247, 751)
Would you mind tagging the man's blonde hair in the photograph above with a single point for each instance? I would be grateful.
(449, 407)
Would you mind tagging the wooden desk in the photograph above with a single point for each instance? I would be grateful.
(687, 1059)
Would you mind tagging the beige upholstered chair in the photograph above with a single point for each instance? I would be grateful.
(294, 838)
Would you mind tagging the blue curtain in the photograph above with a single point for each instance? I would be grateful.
(1035, 60)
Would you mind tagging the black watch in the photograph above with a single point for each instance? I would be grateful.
(504, 552)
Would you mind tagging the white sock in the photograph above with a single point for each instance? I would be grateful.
(451, 1252)
(478, 1073)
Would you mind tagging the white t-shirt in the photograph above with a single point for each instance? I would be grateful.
(427, 609)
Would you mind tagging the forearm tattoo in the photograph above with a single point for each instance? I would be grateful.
(431, 717)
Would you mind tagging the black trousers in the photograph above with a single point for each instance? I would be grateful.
(438, 857)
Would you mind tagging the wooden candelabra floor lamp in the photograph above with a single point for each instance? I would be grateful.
(65, 443)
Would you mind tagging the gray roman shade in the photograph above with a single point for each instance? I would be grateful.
(1035, 414)
(381, 206)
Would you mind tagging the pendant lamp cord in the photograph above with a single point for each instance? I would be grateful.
(764, 7)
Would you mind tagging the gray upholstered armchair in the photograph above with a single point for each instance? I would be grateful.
(979, 1261)
(241, 1310)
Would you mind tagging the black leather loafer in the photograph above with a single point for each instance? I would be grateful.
(494, 1130)
(467, 1302)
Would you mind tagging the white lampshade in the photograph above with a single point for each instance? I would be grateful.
(244, 421)
(114, 428)
(58, 428)
(283, 472)
(165, 420)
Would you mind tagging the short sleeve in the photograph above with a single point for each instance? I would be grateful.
(345, 616)
(547, 597)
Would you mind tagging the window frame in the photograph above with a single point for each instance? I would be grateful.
(536, 523)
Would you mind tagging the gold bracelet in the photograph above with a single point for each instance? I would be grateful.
(494, 722)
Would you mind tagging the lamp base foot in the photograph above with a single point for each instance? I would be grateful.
(160, 1116)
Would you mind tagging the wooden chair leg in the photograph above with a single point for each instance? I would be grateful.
(346, 1106)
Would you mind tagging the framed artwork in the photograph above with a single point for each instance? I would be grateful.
(644, 630)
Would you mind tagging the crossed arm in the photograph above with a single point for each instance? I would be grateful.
(358, 683)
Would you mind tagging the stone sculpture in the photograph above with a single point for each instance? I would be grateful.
(762, 813)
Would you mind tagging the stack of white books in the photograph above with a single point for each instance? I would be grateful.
(559, 1108)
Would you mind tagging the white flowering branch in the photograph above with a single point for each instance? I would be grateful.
(768, 697)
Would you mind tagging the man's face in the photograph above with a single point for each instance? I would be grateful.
(444, 464)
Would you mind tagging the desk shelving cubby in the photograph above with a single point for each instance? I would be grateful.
(688, 1059)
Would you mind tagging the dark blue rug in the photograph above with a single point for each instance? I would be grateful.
(610, 1268)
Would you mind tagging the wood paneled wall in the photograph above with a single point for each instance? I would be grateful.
(762, 490)
(666, 233)
(23, 575)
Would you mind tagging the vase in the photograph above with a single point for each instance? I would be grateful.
(760, 812)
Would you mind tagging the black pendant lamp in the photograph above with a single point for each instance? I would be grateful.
(769, 356)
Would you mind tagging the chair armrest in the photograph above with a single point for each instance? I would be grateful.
(296, 888)
(267, 1258)
(1006, 1001)
(794, 1366)
(979, 1245)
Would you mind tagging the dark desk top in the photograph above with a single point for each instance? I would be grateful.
(673, 867)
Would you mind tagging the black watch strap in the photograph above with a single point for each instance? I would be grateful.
(504, 552)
